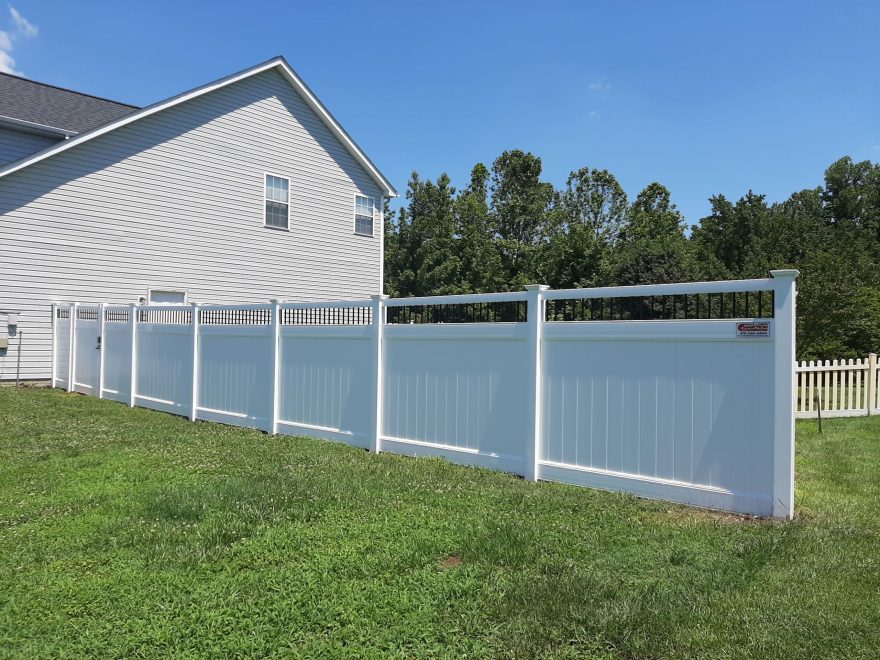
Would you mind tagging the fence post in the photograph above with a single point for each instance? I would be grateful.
(378, 319)
(101, 347)
(784, 395)
(871, 403)
(54, 343)
(132, 320)
(276, 365)
(71, 361)
(194, 398)
(535, 321)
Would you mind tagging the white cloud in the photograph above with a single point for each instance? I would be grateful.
(600, 86)
(7, 64)
(23, 28)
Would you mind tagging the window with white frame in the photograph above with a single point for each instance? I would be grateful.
(165, 296)
(277, 201)
(363, 215)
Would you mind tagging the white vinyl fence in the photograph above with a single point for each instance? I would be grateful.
(680, 391)
(837, 388)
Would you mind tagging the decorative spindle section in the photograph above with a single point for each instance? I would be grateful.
(672, 307)
(508, 311)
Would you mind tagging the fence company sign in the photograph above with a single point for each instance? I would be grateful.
(753, 329)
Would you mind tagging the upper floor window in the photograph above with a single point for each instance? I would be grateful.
(363, 215)
(277, 201)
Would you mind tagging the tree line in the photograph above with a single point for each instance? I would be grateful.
(508, 228)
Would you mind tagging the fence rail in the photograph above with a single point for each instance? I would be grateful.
(838, 388)
(689, 402)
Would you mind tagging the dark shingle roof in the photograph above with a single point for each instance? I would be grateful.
(48, 105)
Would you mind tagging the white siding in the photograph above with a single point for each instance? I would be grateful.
(175, 201)
(15, 145)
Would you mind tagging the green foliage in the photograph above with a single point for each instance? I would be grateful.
(852, 195)
(476, 249)
(653, 248)
(423, 245)
(508, 228)
(585, 224)
(731, 233)
(594, 200)
(132, 533)
(838, 311)
(519, 203)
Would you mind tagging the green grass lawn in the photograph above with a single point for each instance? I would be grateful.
(134, 533)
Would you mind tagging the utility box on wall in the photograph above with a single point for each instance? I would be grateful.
(8, 327)
(5, 331)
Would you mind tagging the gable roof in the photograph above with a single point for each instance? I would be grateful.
(278, 63)
(55, 109)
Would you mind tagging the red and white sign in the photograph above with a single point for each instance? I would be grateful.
(753, 329)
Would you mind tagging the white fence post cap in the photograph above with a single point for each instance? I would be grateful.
(536, 287)
(785, 272)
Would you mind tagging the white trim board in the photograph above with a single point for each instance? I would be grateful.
(278, 63)
(34, 128)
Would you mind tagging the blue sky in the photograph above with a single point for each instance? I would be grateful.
(705, 97)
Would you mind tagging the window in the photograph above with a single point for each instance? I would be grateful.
(363, 215)
(165, 297)
(277, 201)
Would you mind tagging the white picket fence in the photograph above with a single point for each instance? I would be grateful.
(837, 388)
(681, 392)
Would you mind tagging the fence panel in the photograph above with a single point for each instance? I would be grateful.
(837, 388)
(874, 384)
(666, 391)
(326, 371)
(459, 390)
(116, 346)
(86, 356)
(61, 338)
(327, 382)
(163, 359)
(235, 365)
(659, 407)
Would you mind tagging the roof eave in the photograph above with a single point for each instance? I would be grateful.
(276, 62)
(340, 133)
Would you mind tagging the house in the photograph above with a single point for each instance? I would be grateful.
(244, 189)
